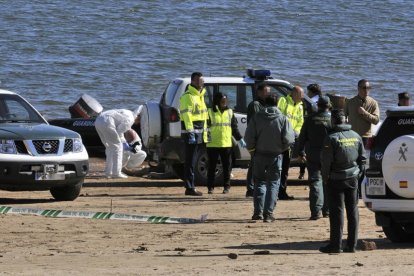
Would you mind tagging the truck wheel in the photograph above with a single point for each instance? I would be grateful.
(66, 193)
(396, 232)
(200, 173)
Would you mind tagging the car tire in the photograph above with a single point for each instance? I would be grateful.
(201, 169)
(66, 193)
(396, 232)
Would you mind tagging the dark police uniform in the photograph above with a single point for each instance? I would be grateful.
(342, 160)
(313, 132)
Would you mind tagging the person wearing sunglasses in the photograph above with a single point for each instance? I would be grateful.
(362, 111)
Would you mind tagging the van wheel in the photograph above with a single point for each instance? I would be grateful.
(397, 232)
(200, 173)
(66, 193)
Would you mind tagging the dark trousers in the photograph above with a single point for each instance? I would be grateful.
(225, 156)
(190, 163)
(249, 177)
(285, 173)
(302, 168)
(346, 194)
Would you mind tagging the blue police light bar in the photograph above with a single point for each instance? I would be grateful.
(258, 73)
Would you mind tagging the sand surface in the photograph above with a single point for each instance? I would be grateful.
(36, 245)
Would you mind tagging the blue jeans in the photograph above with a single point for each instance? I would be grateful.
(266, 175)
(316, 192)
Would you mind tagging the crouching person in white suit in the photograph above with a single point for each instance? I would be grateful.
(111, 126)
(133, 155)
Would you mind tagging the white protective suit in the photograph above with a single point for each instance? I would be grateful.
(133, 155)
(111, 125)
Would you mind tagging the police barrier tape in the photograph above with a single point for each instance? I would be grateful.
(96, 215)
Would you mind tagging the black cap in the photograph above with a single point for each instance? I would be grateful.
(338, 116)
(324, 101)
(404, 95)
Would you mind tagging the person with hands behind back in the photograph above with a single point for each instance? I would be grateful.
(342, 160)
(223, 126)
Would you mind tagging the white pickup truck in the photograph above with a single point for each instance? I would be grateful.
(160, 121)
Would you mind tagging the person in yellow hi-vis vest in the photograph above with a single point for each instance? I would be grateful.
(193, 114)
(223, 126)
(292, 107)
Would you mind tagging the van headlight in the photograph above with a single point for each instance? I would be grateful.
(77, 145)
(7, 147)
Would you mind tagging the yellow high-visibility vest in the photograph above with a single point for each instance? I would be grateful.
(294, 112)
(220, 128)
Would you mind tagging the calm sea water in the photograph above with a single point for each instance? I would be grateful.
(124, 52)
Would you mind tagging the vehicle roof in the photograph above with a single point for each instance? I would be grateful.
(233, 80)
(2, 91)
(400, 111)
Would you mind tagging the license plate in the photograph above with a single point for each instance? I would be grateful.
(375, 186)
(49, 172)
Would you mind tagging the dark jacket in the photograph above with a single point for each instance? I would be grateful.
(269, 132)
(254, 107)
(342, 156)
(314, 130)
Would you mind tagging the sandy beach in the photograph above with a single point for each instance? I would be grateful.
(228, 243)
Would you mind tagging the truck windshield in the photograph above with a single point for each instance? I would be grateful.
(14, 108)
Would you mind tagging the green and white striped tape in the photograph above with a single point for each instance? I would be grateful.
(97, 215)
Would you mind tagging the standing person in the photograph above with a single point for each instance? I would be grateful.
(314, 92)
(268, 134)
(342, 161)
(111, 125)
(255, 106)
(223, 125)
(314, 130)
(133, 155)
(404, 99)
(193, 113)
(292, 107)
(362, 111)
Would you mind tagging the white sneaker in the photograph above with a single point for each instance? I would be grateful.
(120, 175)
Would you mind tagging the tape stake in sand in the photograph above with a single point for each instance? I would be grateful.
(97, 215)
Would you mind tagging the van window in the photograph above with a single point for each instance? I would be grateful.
(208, 97)
(239, 96)
(244, 97)
(231, 92)
(280, 91)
